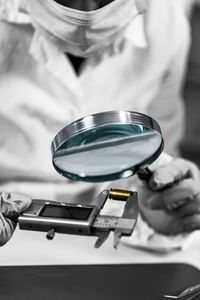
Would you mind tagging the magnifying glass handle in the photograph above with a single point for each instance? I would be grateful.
(145, 174)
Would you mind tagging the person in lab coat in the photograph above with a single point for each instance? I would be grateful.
(64, 59)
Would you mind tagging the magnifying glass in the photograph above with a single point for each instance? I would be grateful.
(106, 146)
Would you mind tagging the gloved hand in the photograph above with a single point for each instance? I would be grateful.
(11, 206)
(170, 202)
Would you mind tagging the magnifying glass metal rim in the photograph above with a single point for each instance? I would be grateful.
(102, 119)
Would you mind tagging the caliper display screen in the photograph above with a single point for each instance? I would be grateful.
(66, 212)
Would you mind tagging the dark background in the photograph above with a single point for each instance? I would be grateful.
(96, 282)
(191, 143)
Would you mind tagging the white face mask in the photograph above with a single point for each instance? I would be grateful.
(79, 32)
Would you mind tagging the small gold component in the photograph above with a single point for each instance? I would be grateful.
(116, 194)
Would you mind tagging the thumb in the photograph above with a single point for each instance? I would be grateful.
(12, 205)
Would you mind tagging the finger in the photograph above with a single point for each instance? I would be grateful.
(154, 202)
(188, 209)
(7, 228)
(176, 196)
(176, 170)
(190, 223)
(181, 225)
(13, 205)
(180, 194)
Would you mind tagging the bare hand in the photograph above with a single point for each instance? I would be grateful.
(170, 203)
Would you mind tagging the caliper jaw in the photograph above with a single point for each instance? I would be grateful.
(122, 226)
(102, 237)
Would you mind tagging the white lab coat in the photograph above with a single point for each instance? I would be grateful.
(40, 93)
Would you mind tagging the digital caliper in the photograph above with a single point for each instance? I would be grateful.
(52, 217)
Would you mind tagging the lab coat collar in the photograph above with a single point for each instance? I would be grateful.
(136, 33)
(60, 67)
(55, 62)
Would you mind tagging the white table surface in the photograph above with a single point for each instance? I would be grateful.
(32, 248)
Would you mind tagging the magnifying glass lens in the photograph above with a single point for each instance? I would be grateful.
(107, 152)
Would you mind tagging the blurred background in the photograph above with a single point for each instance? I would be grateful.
(191, 143)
